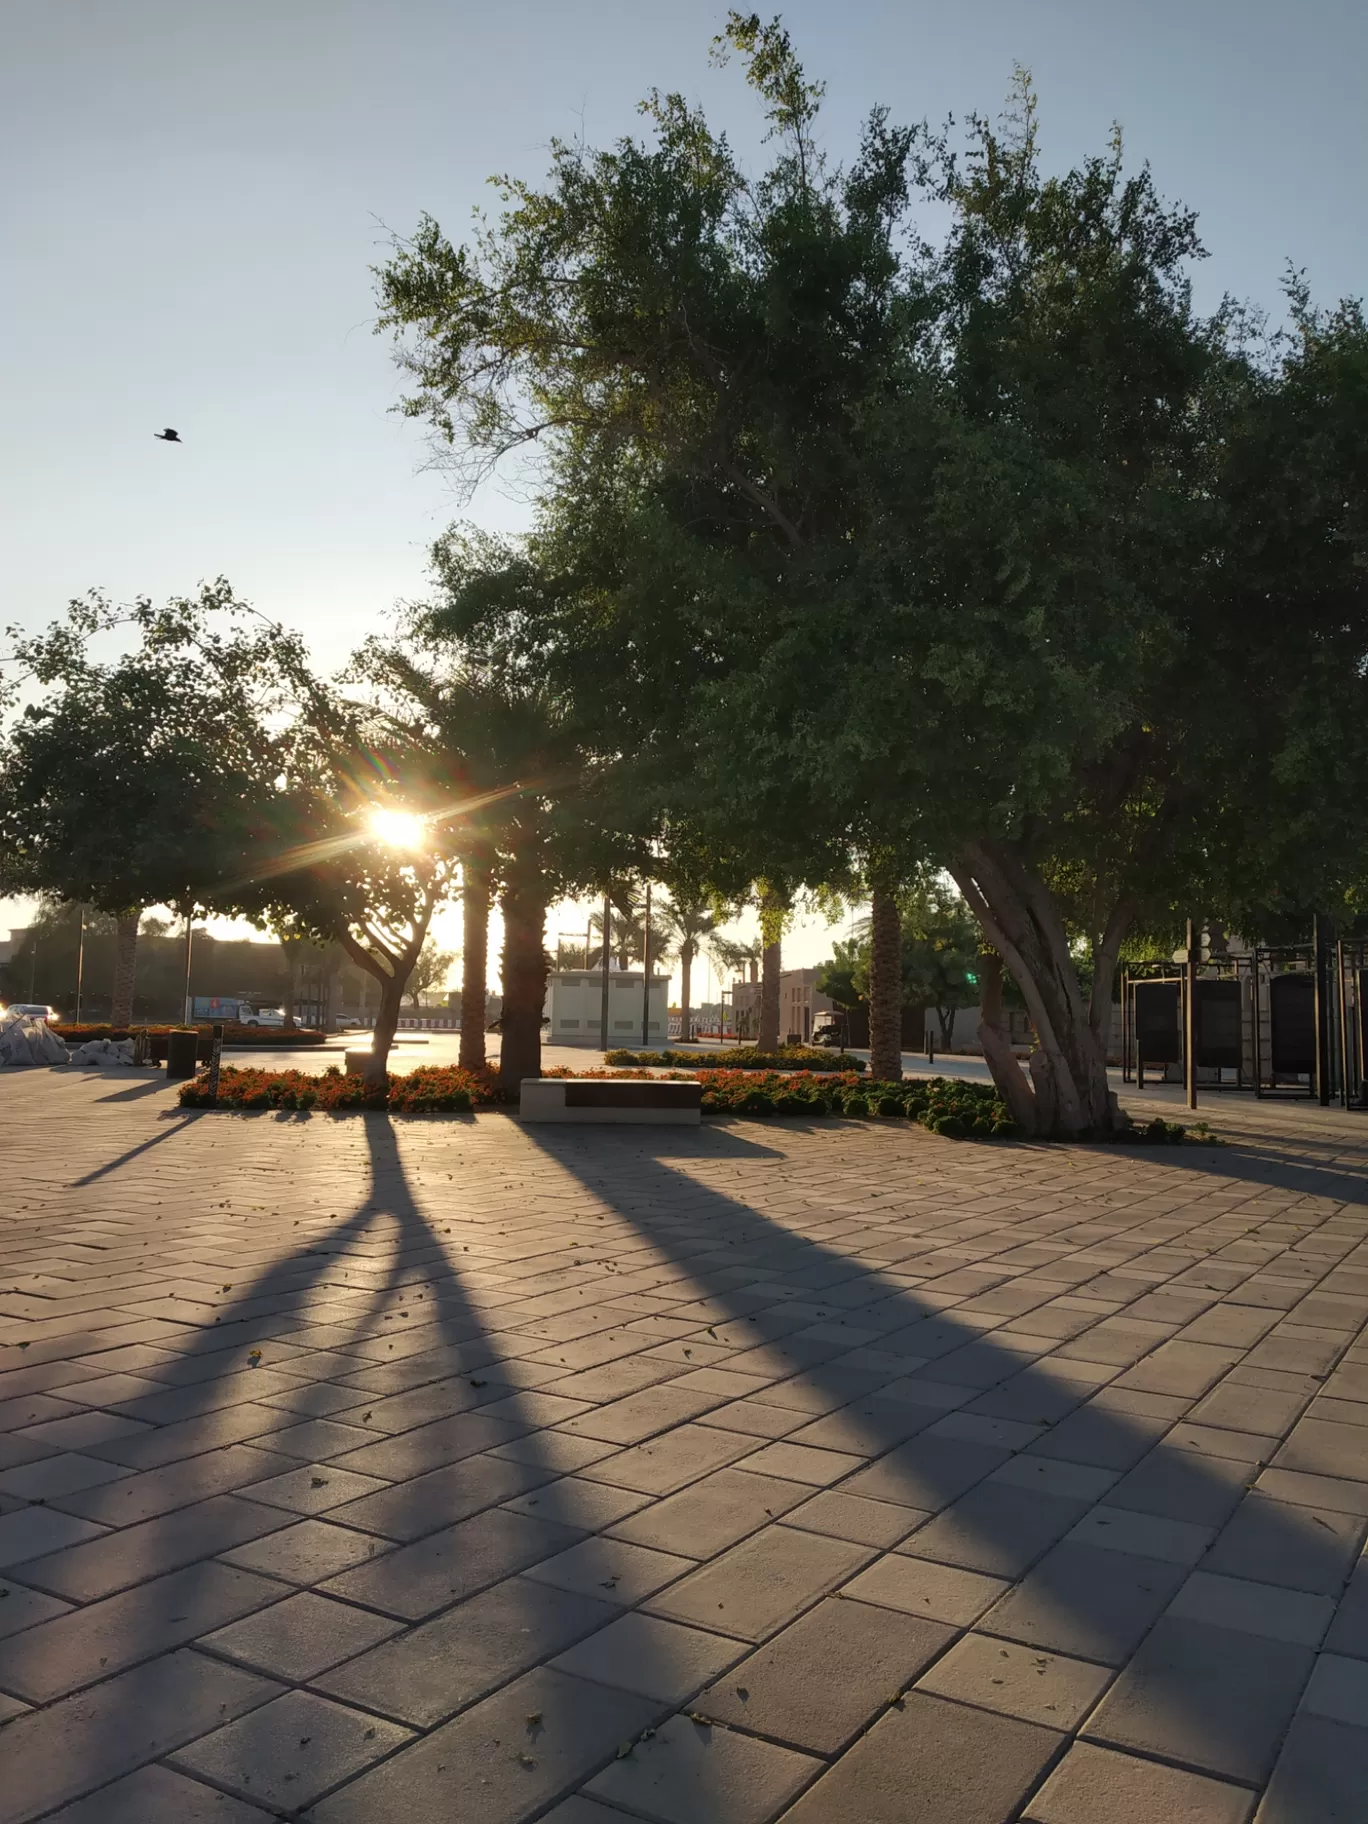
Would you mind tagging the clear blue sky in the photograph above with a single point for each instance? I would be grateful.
(196, 190)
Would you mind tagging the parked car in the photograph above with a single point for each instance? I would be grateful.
(33, 1010)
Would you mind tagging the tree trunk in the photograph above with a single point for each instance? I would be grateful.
(125, 967)
(946, 1017)
(885, 988)
(474, 962)
(771, 967)
(686, 956)
(288, 998)
(524, 905)
(1068, 1096)
(386, 1025)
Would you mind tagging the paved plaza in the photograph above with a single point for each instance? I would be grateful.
(444, 1471)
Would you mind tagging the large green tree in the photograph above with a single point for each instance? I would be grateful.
(992, 552)
(128, 781)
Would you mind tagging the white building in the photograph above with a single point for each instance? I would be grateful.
(574, 1007)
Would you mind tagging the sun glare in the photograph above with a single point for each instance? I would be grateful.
(397, 829)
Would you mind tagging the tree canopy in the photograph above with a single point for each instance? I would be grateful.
(991, 553)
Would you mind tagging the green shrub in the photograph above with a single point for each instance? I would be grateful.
(746, 1057)
(855, 1108)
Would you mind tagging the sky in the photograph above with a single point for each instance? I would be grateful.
(197, 191)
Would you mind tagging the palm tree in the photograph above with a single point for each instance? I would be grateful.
(691, 920)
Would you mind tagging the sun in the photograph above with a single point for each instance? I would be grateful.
(397, 829)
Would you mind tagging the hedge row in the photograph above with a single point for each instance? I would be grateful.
(233, 1033)
(950, 1107)
(432, 1089)
(747, 1057)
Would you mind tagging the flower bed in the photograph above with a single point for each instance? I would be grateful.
(747, 1057)
(432, 1089)
(233, 1033)
(951, 1107)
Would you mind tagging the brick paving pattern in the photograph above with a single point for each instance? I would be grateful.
(368, 1471)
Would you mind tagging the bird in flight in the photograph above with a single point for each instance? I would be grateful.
(168, 435)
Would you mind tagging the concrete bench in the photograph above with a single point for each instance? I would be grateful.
(610, 1099)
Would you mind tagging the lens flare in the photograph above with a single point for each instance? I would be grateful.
(397, 829)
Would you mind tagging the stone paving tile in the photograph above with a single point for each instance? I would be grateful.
(102, 1638)
(100, 1567)
(31, 1532)
(308, 1552)
(931, 1762)
(843, 1516)
(22, 1608)
(300, 1637)
(502, 1761)
(1322, 1774)
(934, 1592)
(1301, 1548)
(978, 1349)
(428, 1673)
(714, 1513)
(667, 1464)
(424, 1504)
(996, 1528)
(87, 1741)
(753, 1589)
(1099, 1786)
(416, 1580)
(289, 1751)
(156, 1795)
(817, 1684)
(624, 1573)
(651, 1656)
(1086, 1602)
(689, 1772)
(1208, 1697)
(1017, 1681)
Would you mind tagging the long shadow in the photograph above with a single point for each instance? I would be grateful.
(135, 1152)
(460, 1427)
(434, 1539)
(999, 1507)
(136, 1092)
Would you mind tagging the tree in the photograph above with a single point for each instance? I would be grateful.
(690, 919)
(348, 862)
(123, 784)
(429, 971)
(1078, 574)
(941, 949)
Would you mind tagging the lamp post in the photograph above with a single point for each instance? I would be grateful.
(646, 971)
(80, 965)
(189, 945)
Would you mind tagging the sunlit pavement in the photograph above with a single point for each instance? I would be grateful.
(373, 1470)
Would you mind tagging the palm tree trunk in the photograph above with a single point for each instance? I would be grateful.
(885, 988)
(771, 967)
(686, 956)
(524, 905)
(475, 878)
(125, 967)
(288, 998)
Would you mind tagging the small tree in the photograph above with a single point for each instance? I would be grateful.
(125, 782)
(941, 948)
(430, 971)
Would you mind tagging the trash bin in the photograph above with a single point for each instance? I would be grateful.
(181, 1051)
(359, 1062)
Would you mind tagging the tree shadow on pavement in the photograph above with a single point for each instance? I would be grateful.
(470, 1451)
